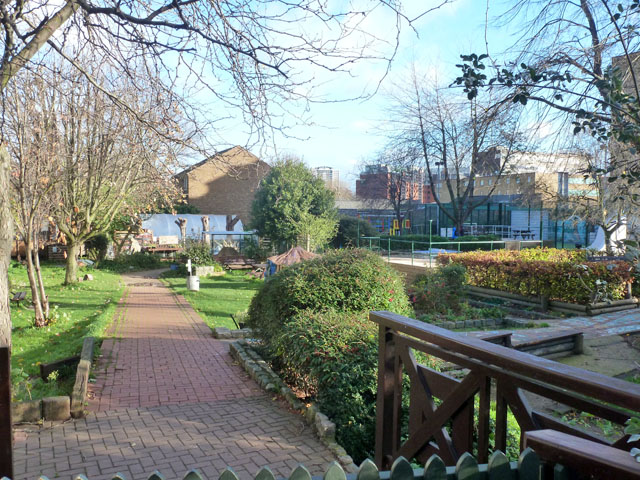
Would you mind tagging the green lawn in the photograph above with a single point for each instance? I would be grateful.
(81, 310)
(218, 297)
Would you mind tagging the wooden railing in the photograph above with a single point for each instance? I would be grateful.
(441, 407)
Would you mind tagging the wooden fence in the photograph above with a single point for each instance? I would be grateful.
(440, 416)
(6, 433)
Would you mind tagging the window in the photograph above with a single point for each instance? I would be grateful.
(529, 179)
(508, 180)
(517, 179)
(185, 184)
(490, 182)
(481, 183)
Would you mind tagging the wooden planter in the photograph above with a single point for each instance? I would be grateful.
(544, 304)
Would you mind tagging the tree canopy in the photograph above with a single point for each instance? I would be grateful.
(291, 203)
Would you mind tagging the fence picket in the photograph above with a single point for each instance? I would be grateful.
(528, 465)
(156, 476)
(401, 470)
(467, 468)
(435, 469)
(300, 473)
(265, 473)
(82, 477)
(498, 466)
(368, 471)
(192, 475)
(334, 472)
(117, 476)
(228, 474)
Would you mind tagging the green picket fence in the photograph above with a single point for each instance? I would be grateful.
(498, 468)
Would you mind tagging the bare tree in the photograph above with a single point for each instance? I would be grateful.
(33, 141)
(192, 44)
(578, 62)
(450, 133)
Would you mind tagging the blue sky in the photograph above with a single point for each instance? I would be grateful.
(345, 134)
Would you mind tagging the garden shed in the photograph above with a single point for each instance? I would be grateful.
(295, 255)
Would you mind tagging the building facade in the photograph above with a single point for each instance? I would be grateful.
(225, 183)
(330, 176)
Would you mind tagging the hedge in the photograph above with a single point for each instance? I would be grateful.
(347, 280)
(334, 358)
(563, 275)
(313, 320)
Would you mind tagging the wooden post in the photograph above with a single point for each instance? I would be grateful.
(6, 433)
(387, 408)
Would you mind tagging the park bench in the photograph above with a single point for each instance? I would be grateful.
(18, 297)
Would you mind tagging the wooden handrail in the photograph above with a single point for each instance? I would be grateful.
(588, 458)
(619, 392)
(441, 407)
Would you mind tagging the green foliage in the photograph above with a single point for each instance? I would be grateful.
(342, 280)
(513, 430)
(133, 262)
(333, 356)
(98, 245)
(255, 249)
(314, 233)
(199, 253)
(313, 319)
(633, 430)
(348, 230)
(440, 290)
(77, 311)
(178, 209)
(286, 197)
(558, 274)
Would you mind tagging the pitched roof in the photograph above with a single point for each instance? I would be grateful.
(295, 255)
(219, 156)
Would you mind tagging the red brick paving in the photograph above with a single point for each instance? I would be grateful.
(162, 354)
(168, 397)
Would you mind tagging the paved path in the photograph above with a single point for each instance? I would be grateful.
(169, 397)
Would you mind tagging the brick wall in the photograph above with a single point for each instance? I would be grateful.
(226, 183)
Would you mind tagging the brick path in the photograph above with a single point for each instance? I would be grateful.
(168, 397)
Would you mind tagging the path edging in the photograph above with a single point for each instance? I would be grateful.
(268, 380)
(79, 392)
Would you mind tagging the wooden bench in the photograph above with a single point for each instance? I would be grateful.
(590, 459)
(18, 297)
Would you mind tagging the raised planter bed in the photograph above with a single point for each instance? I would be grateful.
(544, 304)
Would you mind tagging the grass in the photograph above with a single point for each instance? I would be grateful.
(219, 297)
(77, 311)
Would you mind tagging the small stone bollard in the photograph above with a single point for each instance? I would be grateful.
(56, 408)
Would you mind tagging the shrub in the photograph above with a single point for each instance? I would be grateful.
(439, 291)
(199, 253)
(342, 280)
(333, 356)
(313, 319)
(558, 274)
(256, 250)
(135, 261)
(348, 230)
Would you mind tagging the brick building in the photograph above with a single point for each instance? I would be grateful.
(224, 183)
(378, 181)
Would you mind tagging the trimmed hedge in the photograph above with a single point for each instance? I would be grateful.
(313, 320)
(342, 280)
(563, 275)
(334, 357)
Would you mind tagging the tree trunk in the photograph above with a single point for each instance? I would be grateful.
(6, 239)
(38, 315)
(459, 228)
(71, 273)
(44, 300)
(607, 240)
